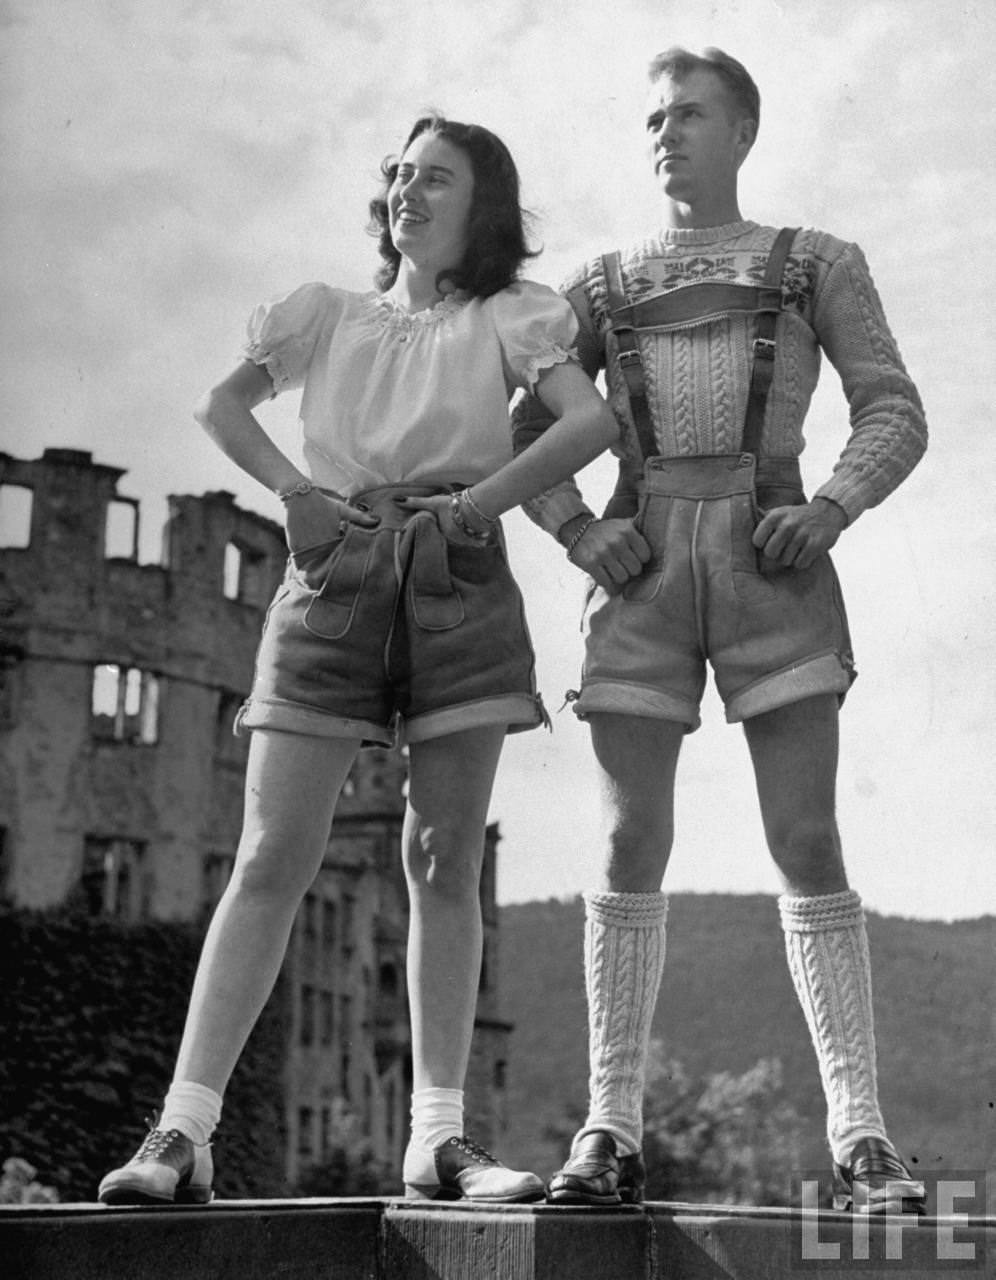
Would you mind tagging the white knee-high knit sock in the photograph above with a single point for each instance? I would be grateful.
(827, 948)
(624, 959)
(192, 1108)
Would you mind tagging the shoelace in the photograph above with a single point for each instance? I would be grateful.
(157, 1143)
(472, 1149)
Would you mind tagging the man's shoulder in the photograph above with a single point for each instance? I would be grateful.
(590, 274)
(816, 243)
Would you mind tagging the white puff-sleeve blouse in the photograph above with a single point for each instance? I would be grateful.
(391, 396)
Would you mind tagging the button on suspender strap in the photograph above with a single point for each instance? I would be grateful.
(630, 361)
(763, 367)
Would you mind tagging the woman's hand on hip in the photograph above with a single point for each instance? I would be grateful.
(314, 518)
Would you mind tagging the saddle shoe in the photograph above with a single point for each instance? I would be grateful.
(166, 1169)
(459, 1169)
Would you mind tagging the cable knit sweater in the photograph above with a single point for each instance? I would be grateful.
(697, 376)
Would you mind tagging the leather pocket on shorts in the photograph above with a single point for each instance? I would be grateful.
(646, 587)
(331, 611)
(771, 497)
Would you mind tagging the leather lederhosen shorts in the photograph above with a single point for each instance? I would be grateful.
(395, 631)
(709, 598)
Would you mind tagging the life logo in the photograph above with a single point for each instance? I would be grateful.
(948, 1239)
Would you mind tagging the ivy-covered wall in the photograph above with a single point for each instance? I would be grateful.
(91, 1013)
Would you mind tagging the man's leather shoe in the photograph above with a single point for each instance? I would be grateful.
(876, 1181)
(166, 1169)
(595, 1174)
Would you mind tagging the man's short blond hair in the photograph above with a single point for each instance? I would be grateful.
(678, 62)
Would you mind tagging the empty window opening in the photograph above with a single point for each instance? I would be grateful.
(16, 501)
(125, 704)
(245, 575)
(121, 530)
(111, 878)
(233, 571)
(216, 872)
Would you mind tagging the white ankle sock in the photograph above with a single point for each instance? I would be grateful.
(827, 949)
(192, 1108)
(437, 1114)
(624, 960)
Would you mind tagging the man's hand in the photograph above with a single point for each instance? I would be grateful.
(612, 552)
(795, 537)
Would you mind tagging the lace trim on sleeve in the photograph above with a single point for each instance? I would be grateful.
(546, 360)
(258, 354)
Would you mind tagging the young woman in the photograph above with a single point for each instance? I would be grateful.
(397, 616)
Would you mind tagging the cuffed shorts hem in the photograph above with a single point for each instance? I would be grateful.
(626, 698)
(292, 717)
(518, 711)
(823, 673)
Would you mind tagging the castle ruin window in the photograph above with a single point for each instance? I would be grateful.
(15, 515)
(121, 530)
(216, 872)
(245, 575)
(305, 1134)
(111, 880)
(125, 704)
(329, 929)
(307, 1016)
(327, 1130)
(387, 981)
(328, 1017)
(229, 748)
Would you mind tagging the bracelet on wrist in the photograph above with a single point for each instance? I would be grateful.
(465, 496)
(299, 490)
(579, 534)
(460, 520)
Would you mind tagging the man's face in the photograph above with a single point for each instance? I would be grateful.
(696, 142)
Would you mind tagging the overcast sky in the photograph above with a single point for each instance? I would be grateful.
(167, 165)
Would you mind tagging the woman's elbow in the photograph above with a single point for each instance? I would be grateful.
(607, 426)
(203, 409)
(215, 407)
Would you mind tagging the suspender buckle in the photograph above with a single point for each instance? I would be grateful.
(629, 359)
(763, 348)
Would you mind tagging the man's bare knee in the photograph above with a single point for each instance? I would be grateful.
(637, 856)
(807, 852)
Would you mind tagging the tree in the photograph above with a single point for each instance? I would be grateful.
(722, 1137)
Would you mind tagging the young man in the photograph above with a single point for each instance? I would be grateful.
(710, 336)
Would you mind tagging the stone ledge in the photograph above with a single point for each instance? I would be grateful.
(366, 1239)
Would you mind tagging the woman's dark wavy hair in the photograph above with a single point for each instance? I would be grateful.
(497, 245)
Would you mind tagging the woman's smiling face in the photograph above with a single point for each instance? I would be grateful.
(429, 203)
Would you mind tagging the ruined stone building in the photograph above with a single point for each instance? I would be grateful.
(121, 779)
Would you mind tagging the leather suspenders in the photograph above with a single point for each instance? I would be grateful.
(695, 304)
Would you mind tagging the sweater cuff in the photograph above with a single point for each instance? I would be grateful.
(552, 510)
(852, 498)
